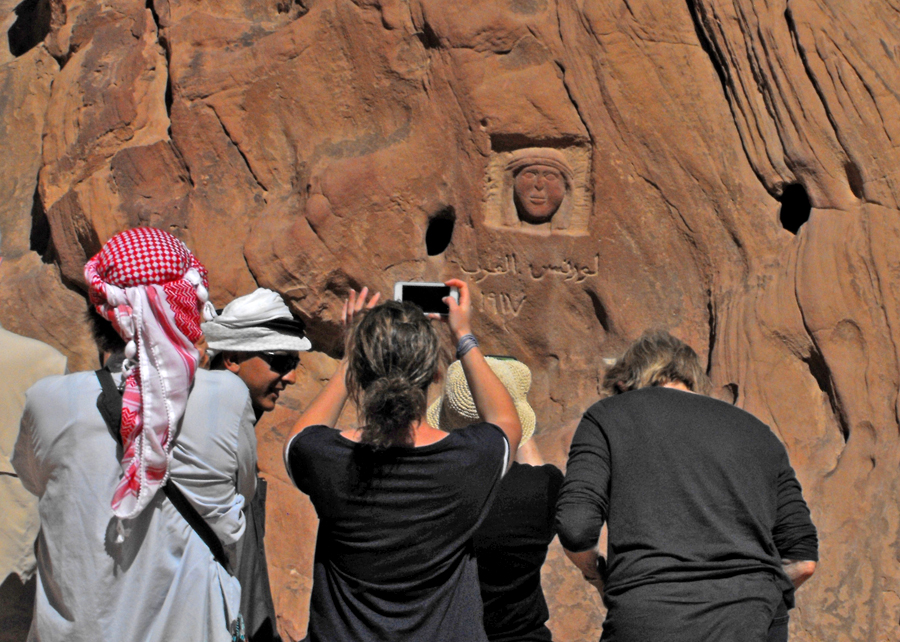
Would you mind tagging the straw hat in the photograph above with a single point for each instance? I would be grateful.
(456, 409)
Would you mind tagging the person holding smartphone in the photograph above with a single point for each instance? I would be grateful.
(399, 500)
(512, 542)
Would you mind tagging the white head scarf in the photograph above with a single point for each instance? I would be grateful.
(257, 322)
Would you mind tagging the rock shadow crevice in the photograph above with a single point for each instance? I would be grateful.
(818, 368)
(33, 19)
(167, 50)
(855, 179)
(240, 151)
(717, 60)
(601, 313)
(40, 237)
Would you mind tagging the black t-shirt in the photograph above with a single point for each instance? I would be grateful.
(511, 546)
(693, 489)
(394, 556)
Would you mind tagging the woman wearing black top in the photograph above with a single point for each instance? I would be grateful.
(512, 542)
(398, 500)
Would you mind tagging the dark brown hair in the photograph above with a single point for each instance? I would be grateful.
(393, 354)
(103, 332)
(657, 358)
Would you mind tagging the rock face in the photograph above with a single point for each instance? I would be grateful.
(735, 180)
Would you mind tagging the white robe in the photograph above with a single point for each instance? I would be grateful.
(23, 362)
(162, 582)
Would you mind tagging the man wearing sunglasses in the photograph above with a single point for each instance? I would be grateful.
(265, 373)
(257, 338)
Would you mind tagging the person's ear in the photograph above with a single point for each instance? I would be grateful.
(229, 360)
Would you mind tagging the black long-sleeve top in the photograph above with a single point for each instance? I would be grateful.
(692, 488)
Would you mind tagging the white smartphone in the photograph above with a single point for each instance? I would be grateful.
(428, 296)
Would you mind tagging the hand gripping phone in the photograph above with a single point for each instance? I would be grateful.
(428, 296)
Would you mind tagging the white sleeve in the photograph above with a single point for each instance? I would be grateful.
(24, 461)
(246, 454)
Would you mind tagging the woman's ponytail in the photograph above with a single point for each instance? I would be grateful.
(393, 355)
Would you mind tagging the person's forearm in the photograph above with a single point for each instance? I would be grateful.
(326, 408)
(798, 571)
(529, 454)
(492, 400)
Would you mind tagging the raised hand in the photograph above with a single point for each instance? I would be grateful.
(355, 303)
(460, 317)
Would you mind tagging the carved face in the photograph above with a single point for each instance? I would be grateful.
(539, 191)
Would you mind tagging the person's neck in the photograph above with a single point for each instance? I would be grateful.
(423, 434)
(112, 361)
(677, 385)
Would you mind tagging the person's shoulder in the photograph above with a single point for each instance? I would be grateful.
(11, 340)
(547, 473)
(76, 380)
(58, 392)
(551, 472)
(34, 355)
(727, 412)
(723, 413)
(226, 386)
(316, 439)
(477, 440)
(319, 432)
(224, 379)
(479, 432)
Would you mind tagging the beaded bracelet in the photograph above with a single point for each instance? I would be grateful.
(466, 343)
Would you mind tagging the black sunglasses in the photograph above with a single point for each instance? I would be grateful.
(280, 362)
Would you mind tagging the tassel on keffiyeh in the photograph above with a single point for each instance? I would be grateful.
(152, 289)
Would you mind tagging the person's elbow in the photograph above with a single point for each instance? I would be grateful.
(799, 570)
(576, 535)
(512, 428)
(805, 570)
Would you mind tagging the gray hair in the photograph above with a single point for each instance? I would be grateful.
(657, 358)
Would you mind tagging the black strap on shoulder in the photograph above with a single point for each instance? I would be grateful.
(109, 403)
(193, 518)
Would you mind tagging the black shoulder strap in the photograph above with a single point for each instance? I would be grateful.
(193, 518)
(109, 403)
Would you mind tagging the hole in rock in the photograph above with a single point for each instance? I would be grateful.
(440, 231)
(40, 240)
(795, 208)
(854, 179)
(731, 391)
(31, 26)
(428, 37)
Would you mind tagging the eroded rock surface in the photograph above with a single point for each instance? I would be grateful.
(738, 180)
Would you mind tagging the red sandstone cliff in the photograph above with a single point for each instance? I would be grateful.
(736, 180)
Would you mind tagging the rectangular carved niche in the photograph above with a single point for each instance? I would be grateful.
(544, 190)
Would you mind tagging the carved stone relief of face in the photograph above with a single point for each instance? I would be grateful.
(539, 191)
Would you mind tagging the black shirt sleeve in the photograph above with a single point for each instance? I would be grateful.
(584, 497)
(298, 468)
(794, 533)
(554, 484)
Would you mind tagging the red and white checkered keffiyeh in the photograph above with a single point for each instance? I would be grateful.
(152, 289)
